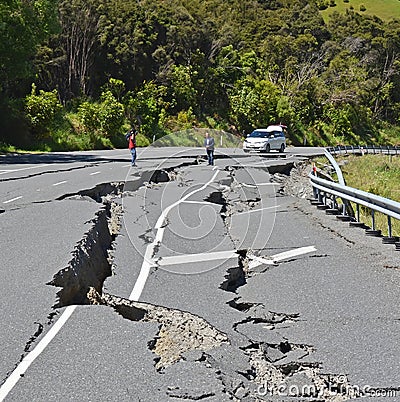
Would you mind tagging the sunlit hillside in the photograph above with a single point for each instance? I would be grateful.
(384, 9)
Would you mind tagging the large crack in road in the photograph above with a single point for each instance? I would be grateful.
(252, 363)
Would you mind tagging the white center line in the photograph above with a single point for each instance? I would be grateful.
(148, 261)
(60, 182)
(13, 199)
(92, 174)
(20, 370)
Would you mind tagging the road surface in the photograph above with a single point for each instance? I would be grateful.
(180, 281)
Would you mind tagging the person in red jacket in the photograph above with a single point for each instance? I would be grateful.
(131, 137)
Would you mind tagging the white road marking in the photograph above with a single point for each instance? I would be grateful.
(60, 182)
(201, 202)
(293, 253)
(13, 199)
(189, 258)
(31, 356)
(92, 174)
(25, 168)
(257, 261)
(250, 211)
(23, 366)
(148, 261)
(259, 184)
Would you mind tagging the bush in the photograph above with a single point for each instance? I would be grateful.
(362, 7)
(322, 5)
(102, 119)
(42, 110)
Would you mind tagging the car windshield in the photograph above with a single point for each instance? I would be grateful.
(259, 134)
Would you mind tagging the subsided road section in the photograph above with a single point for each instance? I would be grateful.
(221, 330)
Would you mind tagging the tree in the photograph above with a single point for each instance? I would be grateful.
(253, 103)
(80, 23)
(23, 25)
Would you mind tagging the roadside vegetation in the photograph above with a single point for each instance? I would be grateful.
(376, 174)
(76, 74)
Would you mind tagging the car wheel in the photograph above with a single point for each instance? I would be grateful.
(268, 148)
(282, 148)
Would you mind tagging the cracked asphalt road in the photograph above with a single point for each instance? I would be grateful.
(320, 325)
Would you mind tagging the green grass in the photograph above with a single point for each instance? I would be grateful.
(195, 138)
(384, 9)
(376, 174)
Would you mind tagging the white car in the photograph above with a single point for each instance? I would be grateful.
(266, 139)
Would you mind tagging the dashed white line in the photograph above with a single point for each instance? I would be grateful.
(60, 182)
(25, 168)
(94, 173)
(13, 199)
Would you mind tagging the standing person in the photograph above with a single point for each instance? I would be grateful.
(209, 144)
(131, 137)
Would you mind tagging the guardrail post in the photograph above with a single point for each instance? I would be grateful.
(389, 226)
(358, 212)
(373, 219)
(320, 197)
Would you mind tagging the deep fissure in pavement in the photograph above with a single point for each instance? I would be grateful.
(92, 260)
(179, 331)
(264, 363)
(81, 282)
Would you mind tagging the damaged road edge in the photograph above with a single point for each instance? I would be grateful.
(179, 331)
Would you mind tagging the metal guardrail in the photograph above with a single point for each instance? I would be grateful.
(364, 149)
(327, 192)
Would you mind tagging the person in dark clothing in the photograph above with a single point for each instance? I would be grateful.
(209, 145)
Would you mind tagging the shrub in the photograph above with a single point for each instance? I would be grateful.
(104, 118)
(322, 5)
(42, 110)
(362, 7)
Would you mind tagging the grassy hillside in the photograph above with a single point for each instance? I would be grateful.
(377, 174)
(384, 9)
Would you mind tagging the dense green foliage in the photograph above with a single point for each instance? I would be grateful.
(170, 65)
